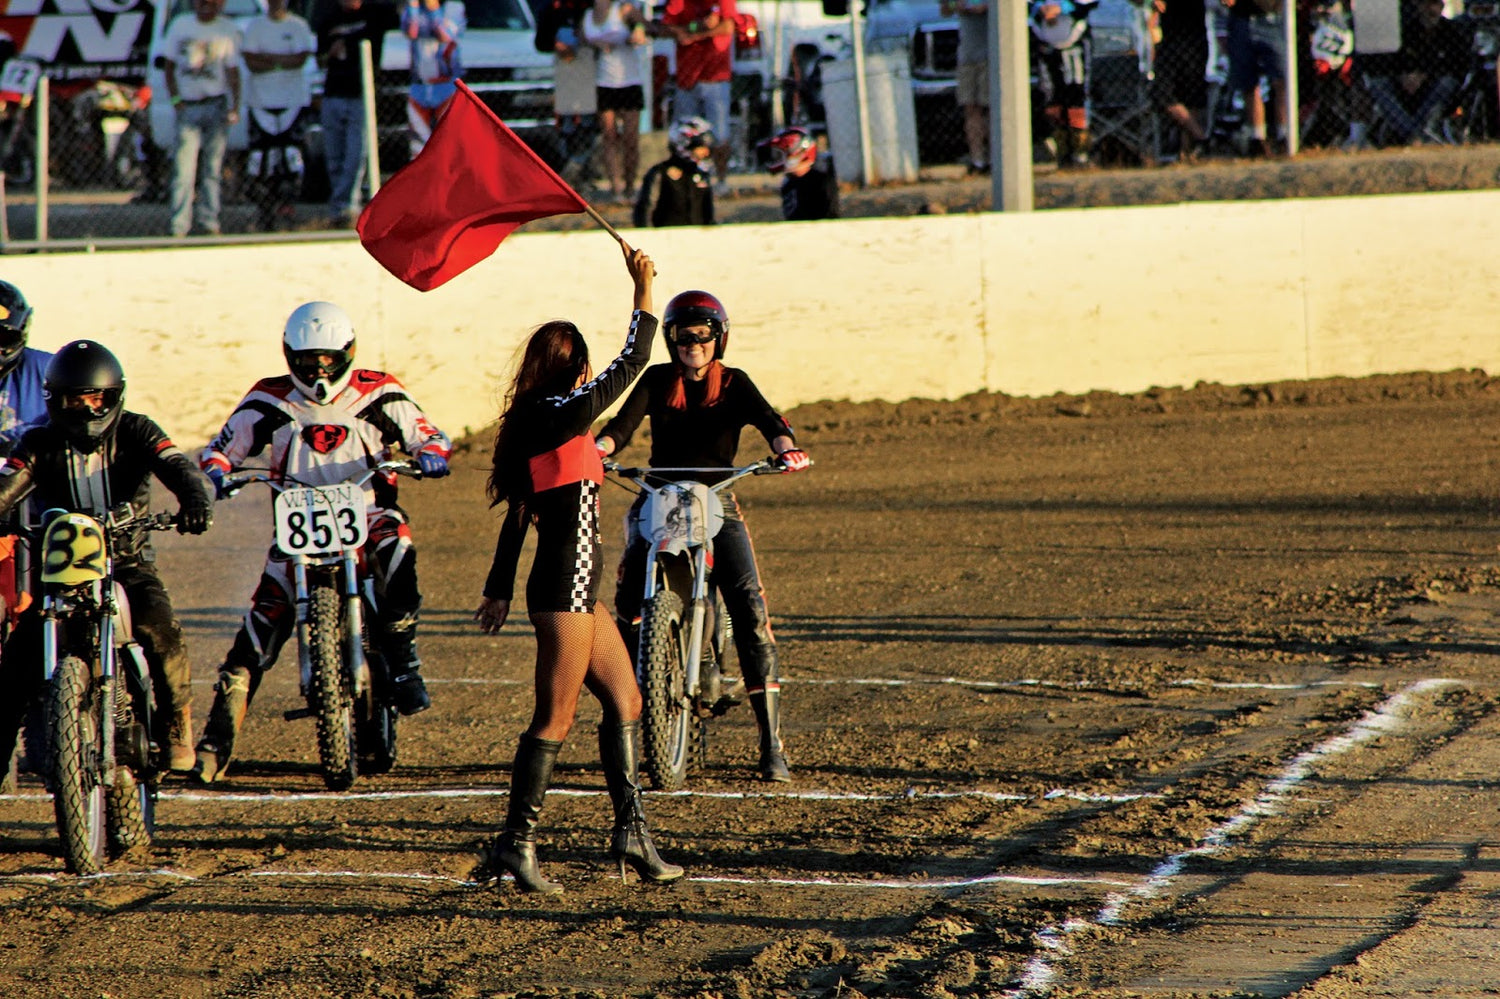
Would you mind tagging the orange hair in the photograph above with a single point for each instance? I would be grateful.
(714, 380)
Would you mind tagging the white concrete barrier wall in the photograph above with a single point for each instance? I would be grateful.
(940, 306)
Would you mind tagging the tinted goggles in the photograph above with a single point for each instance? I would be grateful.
(684, 338)
(310, 365)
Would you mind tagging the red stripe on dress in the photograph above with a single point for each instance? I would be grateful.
(575, 460)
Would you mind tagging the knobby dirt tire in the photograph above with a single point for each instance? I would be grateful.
(129, 813)
(77, 794)
(333, 702)
(666, 722)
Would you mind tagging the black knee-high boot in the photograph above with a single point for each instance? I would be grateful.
(619, 751)
(514, 849)
(766, 703)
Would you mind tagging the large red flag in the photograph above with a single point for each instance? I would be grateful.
(469, 188)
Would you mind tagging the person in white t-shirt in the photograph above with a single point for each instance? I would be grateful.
(277, 46)
(617, 32)
(201, 62)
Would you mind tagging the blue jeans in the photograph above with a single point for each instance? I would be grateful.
(198, 163)
(344, 147)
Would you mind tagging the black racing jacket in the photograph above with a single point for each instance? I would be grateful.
(698, 436)
(54, 474)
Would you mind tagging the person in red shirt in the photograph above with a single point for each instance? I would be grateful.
(704, 32)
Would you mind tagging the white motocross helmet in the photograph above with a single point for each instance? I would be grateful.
(314, 333)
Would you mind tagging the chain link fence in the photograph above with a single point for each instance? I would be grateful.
(1161, 81)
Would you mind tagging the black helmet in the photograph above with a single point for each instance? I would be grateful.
(79, 368)
(15, 319)
(697, 308)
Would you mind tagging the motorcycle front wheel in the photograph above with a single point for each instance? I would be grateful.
(73, 726)
(332, 700)
(130, 811)
(667, 721)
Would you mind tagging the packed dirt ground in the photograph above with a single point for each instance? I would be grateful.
(1186, 693)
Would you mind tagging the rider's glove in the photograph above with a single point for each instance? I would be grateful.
(432, 464)
(195, 519)
(216, 476)
(794, 459)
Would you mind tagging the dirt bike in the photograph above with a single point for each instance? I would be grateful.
(686, 638)
(101, 764)
(343, 678)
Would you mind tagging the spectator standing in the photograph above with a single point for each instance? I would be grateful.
(679, 189)
(432, 28)
(1412, 86)
(704, 33)
(1179, 82)
(1062, 47)
(1257, 49)
(201, 64)
(616, 31)
(973, 77)
(341, 25)
(277, 46)
(809, 189)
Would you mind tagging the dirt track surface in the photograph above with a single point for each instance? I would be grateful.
(1181, 694)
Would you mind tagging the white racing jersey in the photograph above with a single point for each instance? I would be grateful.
(324, 443)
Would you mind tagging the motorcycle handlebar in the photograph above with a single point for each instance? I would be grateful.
(771, 465)
(237, 480)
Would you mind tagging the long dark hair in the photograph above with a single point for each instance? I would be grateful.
(554, 360)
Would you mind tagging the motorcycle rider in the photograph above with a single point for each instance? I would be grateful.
(93, 456)
(322, 421)
(698, 406)
(21, 404)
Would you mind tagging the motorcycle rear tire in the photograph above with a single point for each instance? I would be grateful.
(130, 814)
(332, 700)
(78, 795)
(667, 720)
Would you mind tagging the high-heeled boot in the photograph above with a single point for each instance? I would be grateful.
(619, 751)
(766, 703)
(514, 850)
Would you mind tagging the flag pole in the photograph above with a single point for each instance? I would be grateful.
(594, 214)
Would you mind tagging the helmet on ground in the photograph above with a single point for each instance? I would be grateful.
(15, 319)
(687, 134)
(789, 149)
(697, 308)
(319, 346)
(84, 387)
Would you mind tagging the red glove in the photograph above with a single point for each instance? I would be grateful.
(794, 459)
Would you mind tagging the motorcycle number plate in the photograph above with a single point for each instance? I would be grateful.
(73, 550)
(320, 520)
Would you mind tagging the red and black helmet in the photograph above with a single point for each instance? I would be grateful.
(697, 308)
(789, 149)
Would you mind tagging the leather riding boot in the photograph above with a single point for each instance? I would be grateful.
(514, 850)
(408, 690)
(232, 696)
(630, 842)
(766, 703)
(180, 756)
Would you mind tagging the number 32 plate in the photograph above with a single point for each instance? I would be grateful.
(316, 521)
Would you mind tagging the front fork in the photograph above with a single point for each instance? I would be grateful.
(52, 647)
(354, 650)
(697, 617)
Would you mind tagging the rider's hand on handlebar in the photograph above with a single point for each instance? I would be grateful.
(794, 459)
(432, 464)
(492, 614)
(195, 519)
(216, 476)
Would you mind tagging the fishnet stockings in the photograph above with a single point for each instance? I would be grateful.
(574, 651)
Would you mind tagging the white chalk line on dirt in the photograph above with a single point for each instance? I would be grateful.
(1041, 973)
(875, 883)
(910, 794)
(958, 681)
